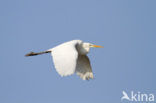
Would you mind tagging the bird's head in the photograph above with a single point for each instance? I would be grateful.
(86, 47)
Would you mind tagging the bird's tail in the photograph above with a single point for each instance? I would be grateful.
(39, 53)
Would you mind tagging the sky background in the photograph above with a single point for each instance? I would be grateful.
(126, 28)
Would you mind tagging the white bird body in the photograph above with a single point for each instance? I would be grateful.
(64, 57)
(70, 57)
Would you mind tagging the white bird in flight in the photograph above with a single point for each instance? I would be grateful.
(71, 57)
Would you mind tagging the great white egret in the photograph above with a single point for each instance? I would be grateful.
(71, 57)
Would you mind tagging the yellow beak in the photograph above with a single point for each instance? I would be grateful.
(97, 46)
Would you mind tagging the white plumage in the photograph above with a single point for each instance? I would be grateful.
(64, 57)
(71, 57)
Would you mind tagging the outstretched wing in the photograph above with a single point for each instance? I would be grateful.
(83, 67)
(64, 58)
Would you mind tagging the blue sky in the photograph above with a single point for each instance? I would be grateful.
(126, 28)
